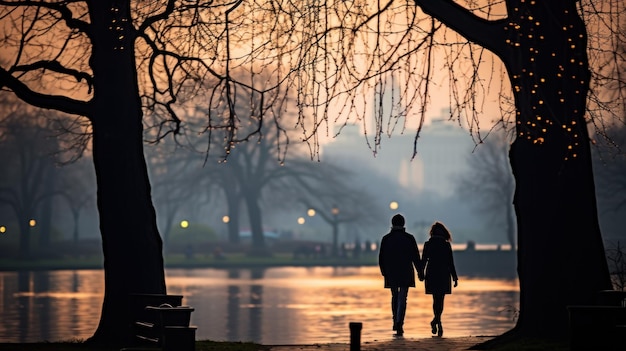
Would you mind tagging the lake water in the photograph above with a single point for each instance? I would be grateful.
(288, 305)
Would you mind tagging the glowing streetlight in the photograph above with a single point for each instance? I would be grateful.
(184, 224)
(335, 224)
(301, 220)
(32, 223)
(393, 205)
(225, 219)
(3, 229)
(310, 212)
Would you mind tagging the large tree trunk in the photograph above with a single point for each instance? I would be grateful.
(560, 251)
(45, 226)
(256, 223)
(233, 223)
(561, 258)
(24, 250)
(233, 205)
(510, 227)
(132, 246)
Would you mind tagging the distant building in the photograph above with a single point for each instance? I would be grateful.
(442, 150)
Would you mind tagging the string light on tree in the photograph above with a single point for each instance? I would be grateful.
(544, 82)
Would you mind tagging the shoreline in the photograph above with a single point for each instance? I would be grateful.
(234, 262)
(492, 264)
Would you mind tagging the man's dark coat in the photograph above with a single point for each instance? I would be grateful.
(397, 256)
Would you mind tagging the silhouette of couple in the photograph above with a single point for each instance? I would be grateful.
(399, 254)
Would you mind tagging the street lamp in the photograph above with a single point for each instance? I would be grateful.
(393, 205)
(301, 220)
(3, 229)
(310, 212)
(335, 212)
(184, 224)
(226, 220)
(32, 223)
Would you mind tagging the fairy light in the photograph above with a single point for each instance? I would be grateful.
(118, 25)
(538, 83)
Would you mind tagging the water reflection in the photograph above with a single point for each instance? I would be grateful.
(272, 306)
(42, 305)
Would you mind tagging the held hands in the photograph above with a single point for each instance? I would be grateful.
(456, 283)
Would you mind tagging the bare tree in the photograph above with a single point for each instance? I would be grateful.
(617, 264)
(76, 186)
(610, 169)
(177, 183)
(488, 185)
(327, 189)
(28, 161)
(269, 169)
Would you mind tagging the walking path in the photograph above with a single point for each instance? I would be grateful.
(395, 344)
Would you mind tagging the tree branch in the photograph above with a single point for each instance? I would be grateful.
(62, 9)
(52, 102)
(169, 9)
(56, 66)
(489, 34)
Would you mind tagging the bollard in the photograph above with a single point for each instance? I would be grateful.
(355, 336)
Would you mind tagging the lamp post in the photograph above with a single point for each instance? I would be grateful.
(188, 250)
(335, 223)
(226, 220)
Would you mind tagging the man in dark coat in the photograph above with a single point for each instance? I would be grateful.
(397, 256)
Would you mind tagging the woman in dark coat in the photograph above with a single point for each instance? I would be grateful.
(439, 269)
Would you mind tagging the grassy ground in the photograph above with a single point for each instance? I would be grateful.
(511, 342)
(532, 345)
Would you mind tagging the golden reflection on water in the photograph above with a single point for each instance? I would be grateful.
(54, 305)
(289, 305)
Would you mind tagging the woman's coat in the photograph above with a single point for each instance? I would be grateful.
(439, 266)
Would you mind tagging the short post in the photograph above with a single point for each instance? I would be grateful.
(355, 336)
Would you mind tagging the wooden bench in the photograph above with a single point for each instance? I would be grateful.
(167, 327)
(160, 322)
(137, 304)
(611, 298)
(600, 326)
